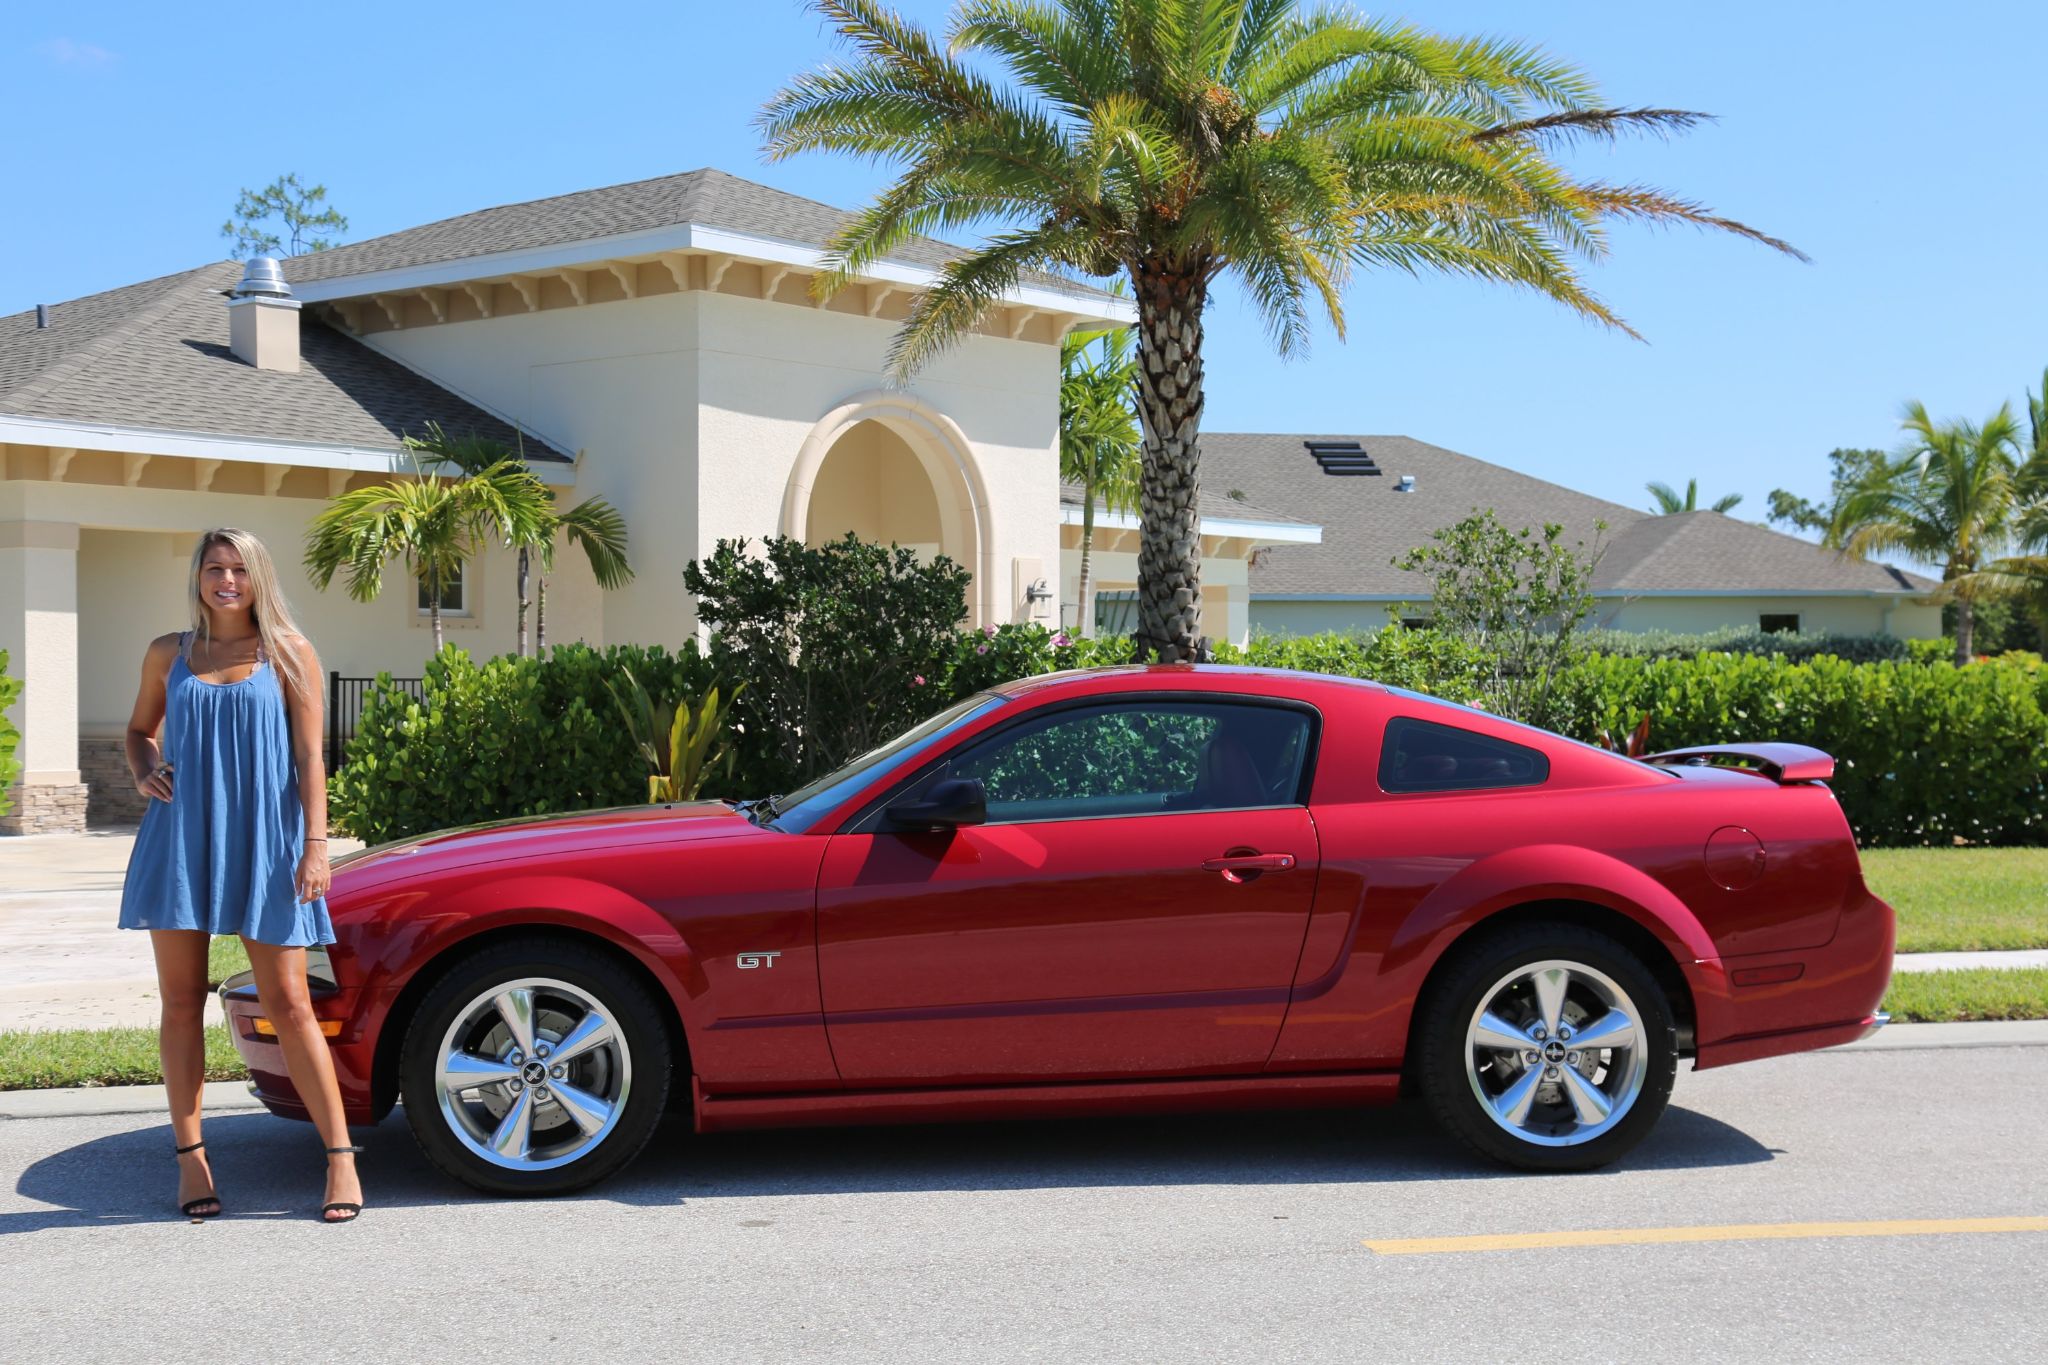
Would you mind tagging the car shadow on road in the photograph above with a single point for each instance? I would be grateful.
(270, 1169)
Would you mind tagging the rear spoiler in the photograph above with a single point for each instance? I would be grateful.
(1782, 763)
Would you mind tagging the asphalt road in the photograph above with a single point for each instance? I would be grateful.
(1234, 1238)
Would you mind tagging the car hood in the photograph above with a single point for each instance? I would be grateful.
(538, 836)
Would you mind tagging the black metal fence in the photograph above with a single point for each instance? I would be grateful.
(345, 707)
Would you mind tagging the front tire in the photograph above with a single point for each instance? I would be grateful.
(535, 1066)
(1547, 1047)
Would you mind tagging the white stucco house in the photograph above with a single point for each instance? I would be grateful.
(656, 344)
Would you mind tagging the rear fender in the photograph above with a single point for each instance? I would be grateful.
(1554, 872)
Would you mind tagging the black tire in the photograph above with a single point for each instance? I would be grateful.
(645, 1064)
(1452, 1005)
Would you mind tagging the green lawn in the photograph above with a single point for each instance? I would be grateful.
(1975, 993)
(46, 1058)
(225, 957)
(1963, 899)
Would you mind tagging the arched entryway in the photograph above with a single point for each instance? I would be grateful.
(891, 469)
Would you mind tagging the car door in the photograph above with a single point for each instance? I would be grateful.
(1134, 904)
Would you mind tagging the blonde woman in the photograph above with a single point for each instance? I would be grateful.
(234, 840)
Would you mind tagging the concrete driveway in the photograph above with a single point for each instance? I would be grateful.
(1237, 1238)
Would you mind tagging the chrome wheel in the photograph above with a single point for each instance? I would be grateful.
(533, 1074)
(1556, 1053)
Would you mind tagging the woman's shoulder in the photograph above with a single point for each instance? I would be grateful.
(167, 645)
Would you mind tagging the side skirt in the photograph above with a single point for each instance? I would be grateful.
(1321, 1090)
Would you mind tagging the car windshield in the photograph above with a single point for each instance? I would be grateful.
(810, 803)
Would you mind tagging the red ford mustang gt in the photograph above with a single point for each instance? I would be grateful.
(1132, 889)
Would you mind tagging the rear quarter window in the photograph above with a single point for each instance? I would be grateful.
(1423, 756)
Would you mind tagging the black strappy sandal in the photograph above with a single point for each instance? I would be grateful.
(190, 1208)
(354, 1211)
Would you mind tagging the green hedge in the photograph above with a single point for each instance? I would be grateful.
(502, 738)
(1925, 753)
(1778, 644)
(10, 737)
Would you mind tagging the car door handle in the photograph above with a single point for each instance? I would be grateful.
(1242, 867)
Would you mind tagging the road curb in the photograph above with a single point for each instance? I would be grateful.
(1976, 1033)
(87, 1100)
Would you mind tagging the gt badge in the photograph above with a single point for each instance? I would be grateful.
(748, 961)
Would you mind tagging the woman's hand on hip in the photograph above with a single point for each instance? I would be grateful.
(314, 876)
(156, 783)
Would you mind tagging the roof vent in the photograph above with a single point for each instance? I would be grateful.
(1405, 484)
(42, 316)
(264, 278)
(1342, 457)
(263, 318)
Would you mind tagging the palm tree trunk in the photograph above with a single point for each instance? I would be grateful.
(434, 603)
(524, 566)
(1084, 615)
(540, 618)
(1966, 629)
(1171, 294)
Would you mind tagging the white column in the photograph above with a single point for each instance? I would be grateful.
(39, 632)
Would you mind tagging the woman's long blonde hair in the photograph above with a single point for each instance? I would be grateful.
(273, 614)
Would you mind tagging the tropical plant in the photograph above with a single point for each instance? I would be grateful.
(1099, 445)
(433, 524)
(593, 525)
(683, 745)
(1182, 142)
(1669, 503)
(1949, 496)
(1515, 597)
(10, 736)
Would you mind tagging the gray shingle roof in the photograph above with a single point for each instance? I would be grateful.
(156, 355)
(1367, 523)
(706, 196)
(1209, 503)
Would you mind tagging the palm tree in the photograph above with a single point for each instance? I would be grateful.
(432, 524)
(1099, 447)
(1180, 142)
(594, 525)
(1949, 496)
(1669, 503)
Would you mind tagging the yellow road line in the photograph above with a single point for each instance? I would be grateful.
(1726, 1232)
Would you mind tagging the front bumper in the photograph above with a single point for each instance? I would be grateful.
(269, 1080)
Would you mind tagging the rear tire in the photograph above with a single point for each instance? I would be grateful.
(1503, 1064)
(535, 1066)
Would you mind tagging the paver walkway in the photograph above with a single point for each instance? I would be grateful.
(63, 963)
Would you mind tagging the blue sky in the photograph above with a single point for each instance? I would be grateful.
(1900, 145)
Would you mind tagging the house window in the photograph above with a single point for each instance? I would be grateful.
(1416, 623)
(1778, 622)
(454, 596)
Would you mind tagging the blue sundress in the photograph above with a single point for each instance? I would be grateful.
(222, 855)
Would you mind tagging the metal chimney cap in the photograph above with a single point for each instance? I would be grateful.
(263, 277)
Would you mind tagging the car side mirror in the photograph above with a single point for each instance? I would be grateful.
(947, 803)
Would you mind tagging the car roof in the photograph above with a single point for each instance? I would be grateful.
(1168, 677)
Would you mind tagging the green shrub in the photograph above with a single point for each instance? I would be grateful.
(503, 738)
(1796, 646)
(1925, 753)
(10, 737)
(1433, 661)
(832, 642)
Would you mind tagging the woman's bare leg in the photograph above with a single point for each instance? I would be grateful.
(281, 989)
(181, 1043)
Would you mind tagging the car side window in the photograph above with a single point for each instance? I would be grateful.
(1141, 758)
(1423, 756)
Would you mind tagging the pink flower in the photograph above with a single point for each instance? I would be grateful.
(1060, 641)
(917, 681)
(981, 649)
(989, 631)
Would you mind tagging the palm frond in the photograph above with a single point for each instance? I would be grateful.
(1605, 124)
